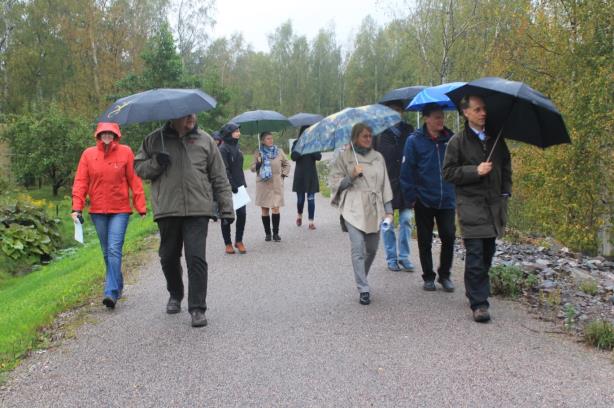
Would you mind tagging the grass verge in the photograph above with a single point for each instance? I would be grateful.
(31, 302)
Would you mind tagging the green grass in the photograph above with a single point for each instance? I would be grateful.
(32, 302)
(600, 333)
(247, 161)
(589, 286)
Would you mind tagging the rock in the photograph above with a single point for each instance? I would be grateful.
(548, 284)
(543, 262)
(548, 273)
(579, 274)
(612, 300)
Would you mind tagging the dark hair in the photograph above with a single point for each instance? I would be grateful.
(430, 108)
(265, 134)
(464, 102)
(357, 130)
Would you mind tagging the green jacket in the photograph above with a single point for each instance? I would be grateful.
(481, 201)
(195, 182)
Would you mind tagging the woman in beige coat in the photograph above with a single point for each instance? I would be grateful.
(361, 191)
(271, 167)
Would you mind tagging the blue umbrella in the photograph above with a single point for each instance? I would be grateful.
(258, 121)
(403, 95)
(435, 95)
(334, 131)
(157, 104)
(304, 119)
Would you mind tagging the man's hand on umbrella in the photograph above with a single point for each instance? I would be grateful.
(357, 171)
(484, 168)
(163, 159)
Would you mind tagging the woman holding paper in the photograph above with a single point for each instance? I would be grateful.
(106, 174)
(233, 159)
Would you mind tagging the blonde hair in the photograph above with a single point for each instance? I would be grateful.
(357, 130)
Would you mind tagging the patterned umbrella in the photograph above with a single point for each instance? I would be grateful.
(334, 131)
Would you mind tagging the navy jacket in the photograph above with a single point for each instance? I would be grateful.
(421, 170)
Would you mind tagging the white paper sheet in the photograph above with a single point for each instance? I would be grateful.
(240, 198)
(78, 232)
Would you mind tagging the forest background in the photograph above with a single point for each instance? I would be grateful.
(62, 62)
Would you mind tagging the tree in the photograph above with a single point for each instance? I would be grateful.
(47, 144)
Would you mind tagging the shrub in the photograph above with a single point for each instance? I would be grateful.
(600, 333)
(26, 231)
(510, 281)
(589, 286)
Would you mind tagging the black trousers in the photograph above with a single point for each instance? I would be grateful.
(478, 258)
(425, 221)
(239, 225)
(189, 233)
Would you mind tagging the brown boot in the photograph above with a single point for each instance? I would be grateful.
(481, 314)
(229, 249)
(240, 247)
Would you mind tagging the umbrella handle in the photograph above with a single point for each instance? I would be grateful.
(355, 157)
(162, 141)
(494, 145)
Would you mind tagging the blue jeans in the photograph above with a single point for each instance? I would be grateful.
(311, 204)
(111, 230)
(390, 239)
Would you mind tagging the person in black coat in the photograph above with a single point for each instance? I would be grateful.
(233, 159)
(390, 144)
(306, 182)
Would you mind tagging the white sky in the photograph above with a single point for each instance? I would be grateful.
(258, 18)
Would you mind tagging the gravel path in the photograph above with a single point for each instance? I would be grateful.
(285, 329)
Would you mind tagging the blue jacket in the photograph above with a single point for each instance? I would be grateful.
(421, 170)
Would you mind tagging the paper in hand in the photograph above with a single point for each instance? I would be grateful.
(240, 198)
(78, 232)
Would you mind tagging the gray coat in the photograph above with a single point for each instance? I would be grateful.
(192, 182)
(480, 201)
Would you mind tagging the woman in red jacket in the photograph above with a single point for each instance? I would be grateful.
(106, 174)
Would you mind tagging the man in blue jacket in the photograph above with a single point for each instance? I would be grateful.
(432, 197)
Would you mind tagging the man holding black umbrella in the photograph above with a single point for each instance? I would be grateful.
(187, 175)
(481, 170)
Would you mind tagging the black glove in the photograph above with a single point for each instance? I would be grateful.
(163, 159)
(234, 189)
(227, 221)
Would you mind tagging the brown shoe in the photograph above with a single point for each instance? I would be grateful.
(229, 249)
(240, 247)
(481, 314)
(312, 226)
(299, 221)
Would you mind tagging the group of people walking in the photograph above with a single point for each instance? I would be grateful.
(428, 174)
(437, 176)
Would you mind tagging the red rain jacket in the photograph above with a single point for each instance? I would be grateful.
(107, 177)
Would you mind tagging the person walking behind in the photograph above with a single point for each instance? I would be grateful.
(233, 160)
(362, 193)
(105, 173)
(306, 183)
(482, 186)
(431, 197)
(390, 144)
(271, 167)
(187, 173)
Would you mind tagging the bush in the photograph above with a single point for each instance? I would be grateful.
(589, 286)
(26, 231)
(510, 281)
(600, 334)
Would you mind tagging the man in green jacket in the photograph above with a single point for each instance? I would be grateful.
(481, 170)
(187, 177)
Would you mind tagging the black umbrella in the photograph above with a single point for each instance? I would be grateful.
(402, 95)
(158, 104)
(255, 122)
(516, 111)
(304, 119)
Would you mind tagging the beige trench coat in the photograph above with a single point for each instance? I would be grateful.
(270, 193)
(361, 204)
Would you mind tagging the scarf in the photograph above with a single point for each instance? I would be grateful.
(267, 154)
(361, 150)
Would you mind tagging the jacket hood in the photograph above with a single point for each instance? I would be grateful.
(107, 127)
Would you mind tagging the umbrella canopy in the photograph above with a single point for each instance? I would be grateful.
(255, 122)
(157, 104)
(335, 130)
(516, 111)
(403, 95)
(436, 95)
(304, 119)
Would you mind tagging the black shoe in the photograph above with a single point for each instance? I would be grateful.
(481, 314)
(364, 298)
(198, 318)
(276, 238)
(429, 286)
(267, 237)
(173, 306)
(109, 302)
(447, 284)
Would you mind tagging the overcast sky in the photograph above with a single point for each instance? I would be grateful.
(258, 18)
